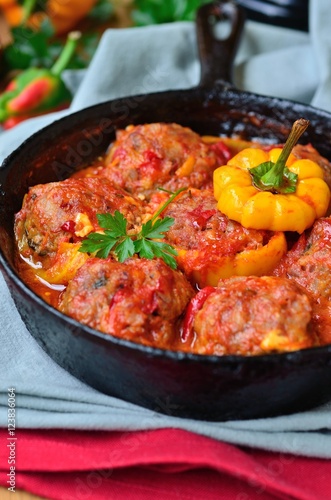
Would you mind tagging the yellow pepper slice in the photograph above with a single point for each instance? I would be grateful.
(258, 262)
(186, 169)
(68, 260)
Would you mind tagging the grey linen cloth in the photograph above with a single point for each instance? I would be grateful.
(271, 61)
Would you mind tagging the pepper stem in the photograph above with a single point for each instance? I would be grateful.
(66, 54)
(3, 115)
(28, 8)
(276, 177)
(298, 128)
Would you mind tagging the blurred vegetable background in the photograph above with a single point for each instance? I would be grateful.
(35, 36)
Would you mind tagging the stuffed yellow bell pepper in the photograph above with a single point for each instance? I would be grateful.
(272, 190)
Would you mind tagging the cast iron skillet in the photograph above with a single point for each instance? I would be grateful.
(201, 387)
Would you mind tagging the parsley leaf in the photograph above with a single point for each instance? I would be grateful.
(155, 230)
(102, 243)
(116, 224)
(164, 251)
(125, 249)
(149, 249)
(144, 243)
(142, 247)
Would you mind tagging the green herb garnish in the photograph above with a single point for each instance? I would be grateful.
(145, 243)
(147, 12)
(32, 48)
(276, 177)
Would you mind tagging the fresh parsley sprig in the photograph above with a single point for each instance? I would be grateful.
(146, 244)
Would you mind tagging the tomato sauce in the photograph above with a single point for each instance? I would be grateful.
(145, 300)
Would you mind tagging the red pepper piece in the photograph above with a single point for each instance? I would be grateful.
(69, 226)
(222, 152)
(201, 216)
(194, 306)
(151, 164)
(151, 156)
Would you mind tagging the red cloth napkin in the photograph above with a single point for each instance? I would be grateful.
(156, 465)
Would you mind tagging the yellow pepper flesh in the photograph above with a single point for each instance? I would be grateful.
(68, 260)
(252, 208)
(258, 262)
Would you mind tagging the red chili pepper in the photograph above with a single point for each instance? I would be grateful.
(11, 86)
(36, 91)
(194, 306)
(32, 95)
(15, 120)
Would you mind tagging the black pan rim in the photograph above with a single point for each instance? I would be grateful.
(207, 91)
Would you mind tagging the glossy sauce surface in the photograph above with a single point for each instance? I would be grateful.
(144, 300)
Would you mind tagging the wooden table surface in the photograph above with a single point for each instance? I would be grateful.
(18, 495)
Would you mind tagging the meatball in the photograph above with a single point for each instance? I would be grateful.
(209, 243)
(144, 157)
(139, 300)
(66, 212)
(308, 263)
(251, 316)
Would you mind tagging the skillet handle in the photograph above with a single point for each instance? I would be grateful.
(217, 55)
